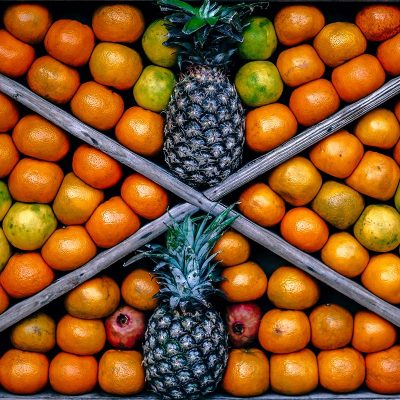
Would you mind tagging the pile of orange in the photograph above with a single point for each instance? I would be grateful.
(314, 50)
(352, 215)
(348, 350)
(55, 220)
(78, 340)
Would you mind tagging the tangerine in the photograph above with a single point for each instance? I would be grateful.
(8, 153)
(9, 113)
(388, 54)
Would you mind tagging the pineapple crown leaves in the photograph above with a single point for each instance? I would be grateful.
(185, 269)
(206, 35)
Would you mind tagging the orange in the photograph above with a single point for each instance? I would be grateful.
(53, 80)
(382, 277)
(284, 331)
(246, 373)
(76, 201)
(269, 126)
(372, 333)
(331, 326)
(68, 248)
(9, 113)
(304, 229)
(23, 372)
(97, 106)
(96, 168)
(344, 254)
(27, 22)
(70, 42)
(379, 21)
(35, 181)
(71, 375)
(35, 333)
(139, 288)
(337, 155)
(383, 371)
(4, 300)
(342, 370)
(262, 205)
(378, 128)
(232, 248)
(339, 42)
(95, 298)
(388, 54)
(121, 372)
(338, 204)
(115, 65)
(26, 274)
(118, 23)
(299, 65)
(8, 154)
(293, 289)
(36, 137)
(358, 77)
(145, 197)
(294, 373)
(141, 131)
(377, 176)
(314, 101)
(295, 24)
(112, 222)
(83, 337)
(15, 56)
(244, 282)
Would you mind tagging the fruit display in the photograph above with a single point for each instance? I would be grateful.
(285, 115)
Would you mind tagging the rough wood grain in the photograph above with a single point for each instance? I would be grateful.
(205, 202)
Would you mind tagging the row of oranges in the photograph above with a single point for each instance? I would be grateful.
(339, 45)
(335, 206)
(56, 222)
(70, 45)
(80, 336)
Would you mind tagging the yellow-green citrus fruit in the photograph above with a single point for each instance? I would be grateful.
(259, 39)
(28, 225)
(5, 250)
(154, 88)
(5, 200)
(338, 204)
(378, 228)
(153, 45)
(258, 83)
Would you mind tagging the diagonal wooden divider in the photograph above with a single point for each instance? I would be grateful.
(204, 201)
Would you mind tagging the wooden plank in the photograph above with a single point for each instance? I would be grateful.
(147, 233)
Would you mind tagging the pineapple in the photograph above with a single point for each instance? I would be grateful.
(204, 127)
(185, 348)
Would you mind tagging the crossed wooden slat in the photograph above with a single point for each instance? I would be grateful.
(206, 201)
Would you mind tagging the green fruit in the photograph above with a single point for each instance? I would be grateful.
(378, 228)
(5, 200)
(397, 198)
(258, 83)
(28, 225)
(154, 88)
(259, 39)
(5, 250)
(152, 42)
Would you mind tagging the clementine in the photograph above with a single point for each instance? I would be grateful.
(8, 153)
(9, 113)
(388, 54)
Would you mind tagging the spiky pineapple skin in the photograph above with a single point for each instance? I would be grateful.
(204, 128)
(185, 354)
